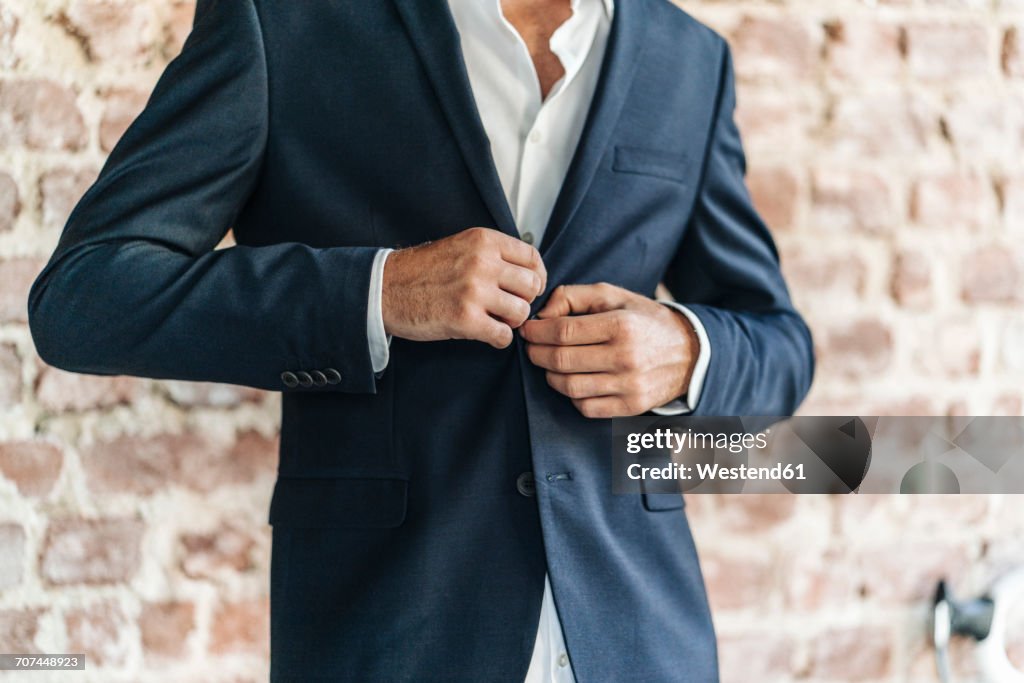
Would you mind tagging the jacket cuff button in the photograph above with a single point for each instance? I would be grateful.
(319, 378)
(304, 379)
(333, 376)
(290, 380)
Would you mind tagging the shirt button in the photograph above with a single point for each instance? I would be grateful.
(526, 485)
(563, 660)
(528, 237)
(536, 137)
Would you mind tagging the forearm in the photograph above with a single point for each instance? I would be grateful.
(243, 315)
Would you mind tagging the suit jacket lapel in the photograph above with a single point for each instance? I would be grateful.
(433, 33)
(625, 44)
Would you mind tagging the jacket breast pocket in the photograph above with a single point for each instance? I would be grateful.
(323, 503)
(651, 162)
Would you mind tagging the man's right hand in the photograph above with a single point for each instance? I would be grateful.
(478, 284)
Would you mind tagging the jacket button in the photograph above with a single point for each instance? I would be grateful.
(304, 379)
(319, 378)
(526, 485)
(333, 376)
(289, 379)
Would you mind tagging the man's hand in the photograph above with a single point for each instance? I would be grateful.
(613, 352)
(478, 284)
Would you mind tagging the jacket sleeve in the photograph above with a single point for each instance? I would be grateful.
(726, 272)
(135, 286)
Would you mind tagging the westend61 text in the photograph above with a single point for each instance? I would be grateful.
(714, 471)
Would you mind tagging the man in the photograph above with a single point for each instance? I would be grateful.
(443, 510)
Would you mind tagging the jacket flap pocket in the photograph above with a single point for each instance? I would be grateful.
(655, 502)
(336, 502)
(652, 162)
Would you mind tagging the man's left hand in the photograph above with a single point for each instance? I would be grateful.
(613, 352)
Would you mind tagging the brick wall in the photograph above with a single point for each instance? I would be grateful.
(885, 139)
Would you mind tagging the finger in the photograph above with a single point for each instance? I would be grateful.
(571, 330)
(491, 331)
(523, 282)
(572, 359)
(604, 407)
(585, 385)
(580, 299)
(508, 308)
(519, 253)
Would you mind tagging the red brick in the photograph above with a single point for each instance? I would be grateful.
(863, 347)
(737, 582)
(142, 465)
(912, 279)
(813, 272)
(846, 201)
(17, 274)
(207, 394)
(121, 107)
(864, 49)
(10, 376)
(226, 550)
(10, 203)
(33, 466)
(12, 556)
(60, 189)
(252, 456)
(756, 656)
(783, 47)
(991, 275)
(940, 52)
(953, 201)
(952, 348)
(776, 192)
(60, 391)
(979, 127)
(83, 551)
(771, 119)
(101, 632)
(1011, 405)
(816, 581)
(145, 465)
(40, 114)
(110, 29)
(858, 653)
(884, 123)
(18, 629)
(904, 572)
(178, 26)
(241, 627)
(754, 513)
(165, 626)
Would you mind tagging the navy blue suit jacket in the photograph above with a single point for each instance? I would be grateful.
(403, 549)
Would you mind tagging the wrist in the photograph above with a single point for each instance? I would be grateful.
(689, 348)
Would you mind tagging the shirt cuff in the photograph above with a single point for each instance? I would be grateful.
(688, 403)
(379, 340)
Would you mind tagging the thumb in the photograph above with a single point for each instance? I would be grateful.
(583, 299)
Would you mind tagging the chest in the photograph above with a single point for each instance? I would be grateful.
(536, 21)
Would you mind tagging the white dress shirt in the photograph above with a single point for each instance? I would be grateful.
(532, 144)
